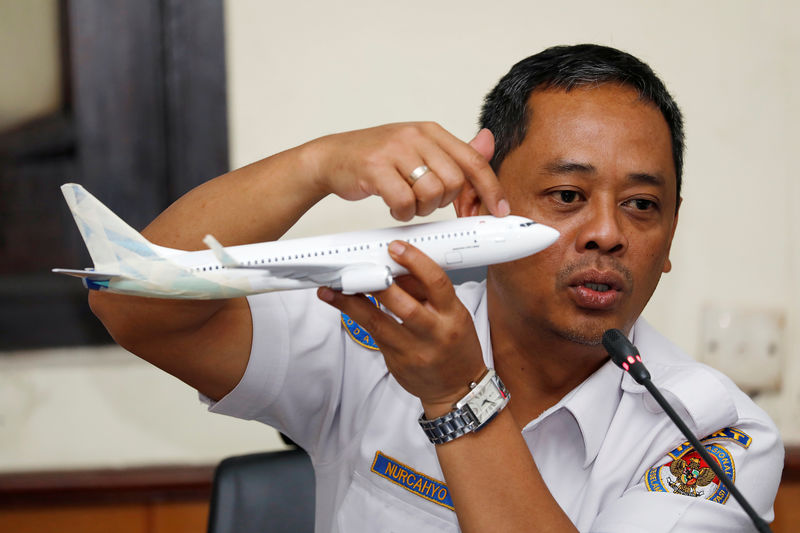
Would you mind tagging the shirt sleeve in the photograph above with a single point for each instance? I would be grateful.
(656, 504)
(300, 372)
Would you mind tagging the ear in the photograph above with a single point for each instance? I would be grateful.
(468, 203)
(667, 263)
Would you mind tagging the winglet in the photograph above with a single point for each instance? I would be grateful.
(219, 252)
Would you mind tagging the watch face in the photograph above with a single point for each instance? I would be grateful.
(485, 409)
(485, 404)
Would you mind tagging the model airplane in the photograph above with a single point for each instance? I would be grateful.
(127, 263)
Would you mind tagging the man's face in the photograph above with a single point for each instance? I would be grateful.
(596, 164)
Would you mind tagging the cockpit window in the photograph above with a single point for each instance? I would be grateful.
(526, 224)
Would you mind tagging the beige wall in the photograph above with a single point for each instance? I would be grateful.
(29, 60)
(300, 69)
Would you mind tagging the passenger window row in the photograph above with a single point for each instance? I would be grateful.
(335, 251)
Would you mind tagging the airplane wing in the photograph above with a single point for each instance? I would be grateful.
(350, 278)
(311, 272)
(219, 252)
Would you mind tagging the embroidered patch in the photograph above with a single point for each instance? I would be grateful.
(689, 474)
(731, 434)
(411, 480)
(727, 434)
(356, 332)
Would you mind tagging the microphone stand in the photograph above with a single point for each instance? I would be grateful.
(626, 356)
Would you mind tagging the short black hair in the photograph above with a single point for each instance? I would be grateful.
(506, 113)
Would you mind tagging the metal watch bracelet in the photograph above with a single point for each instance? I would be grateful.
(463, 419)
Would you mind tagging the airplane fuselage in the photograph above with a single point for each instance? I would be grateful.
(264, 267)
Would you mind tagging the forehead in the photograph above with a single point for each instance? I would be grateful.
(607, 126)
(607, 102)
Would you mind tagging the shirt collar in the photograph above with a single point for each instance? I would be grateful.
(480, 313)
(594, 403)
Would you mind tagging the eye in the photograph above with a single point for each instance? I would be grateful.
(566, 196)
(642, 204)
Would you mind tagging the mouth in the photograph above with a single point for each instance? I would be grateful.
(596, 290)
(599, 287)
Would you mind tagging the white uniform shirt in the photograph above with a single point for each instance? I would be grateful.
(602, 450)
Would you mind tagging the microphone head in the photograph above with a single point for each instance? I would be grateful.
(619, 347)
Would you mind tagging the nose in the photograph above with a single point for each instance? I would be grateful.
(602, 230)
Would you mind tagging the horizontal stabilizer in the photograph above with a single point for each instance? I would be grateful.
(88, 274)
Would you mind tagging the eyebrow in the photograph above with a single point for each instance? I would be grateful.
(563, 166)
(649, 179)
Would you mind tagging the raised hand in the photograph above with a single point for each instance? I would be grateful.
(433, 351)
(390, 161)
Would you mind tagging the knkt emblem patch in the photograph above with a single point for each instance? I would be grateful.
(356, 332)
(689, 475)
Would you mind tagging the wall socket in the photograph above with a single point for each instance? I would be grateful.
(746, 344)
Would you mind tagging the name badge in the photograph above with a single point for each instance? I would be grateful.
(411, 480)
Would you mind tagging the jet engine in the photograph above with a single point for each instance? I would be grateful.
(366, 278)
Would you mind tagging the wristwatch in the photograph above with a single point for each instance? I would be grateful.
(486, 398)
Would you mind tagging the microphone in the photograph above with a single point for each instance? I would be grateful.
(626, 356)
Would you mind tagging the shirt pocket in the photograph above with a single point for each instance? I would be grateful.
(367, 507)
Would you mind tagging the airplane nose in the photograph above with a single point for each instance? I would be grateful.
(541, 236)
(550, 235)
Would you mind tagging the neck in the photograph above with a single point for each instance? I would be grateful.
(538, 366)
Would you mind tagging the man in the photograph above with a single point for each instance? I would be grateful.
(589, 142)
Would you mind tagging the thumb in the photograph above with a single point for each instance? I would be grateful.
(483, 142)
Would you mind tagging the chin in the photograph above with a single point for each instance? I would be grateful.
(582, 336)
(588, 332)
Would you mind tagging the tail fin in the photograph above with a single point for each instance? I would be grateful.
(111, 242)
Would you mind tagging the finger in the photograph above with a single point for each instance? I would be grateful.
(429, 196)
(412, 286)
(416, 317)
(468, 202)
(396, 193)
(449, 173)
(477, 171)
(435, 283)
(483, 143)
(427, 189)
(384, 329)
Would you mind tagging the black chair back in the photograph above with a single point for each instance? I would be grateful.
(270, 492)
